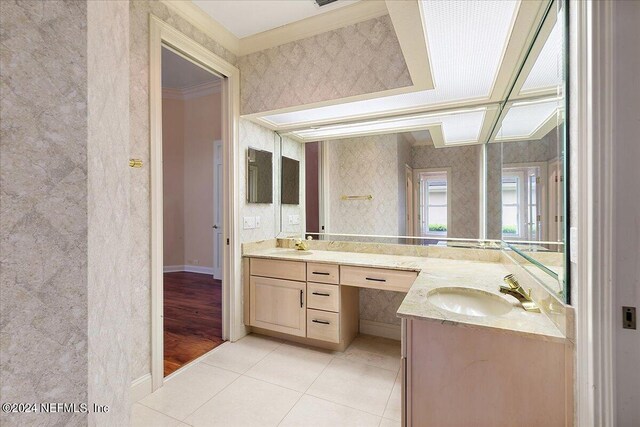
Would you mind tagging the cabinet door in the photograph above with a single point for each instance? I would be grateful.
(278, 305)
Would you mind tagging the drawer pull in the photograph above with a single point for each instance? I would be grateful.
(301, 298)
(321, 273)
(373, 279)
(322, 294)
(324, 322)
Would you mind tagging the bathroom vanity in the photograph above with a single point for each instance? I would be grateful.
(466, 349)
(312, 302)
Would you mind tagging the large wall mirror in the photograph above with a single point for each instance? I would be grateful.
(487, 175)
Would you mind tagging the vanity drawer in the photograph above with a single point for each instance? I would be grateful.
(323, 273)
(377, 278)
(323, 297)
(323, 325)
(279, 269)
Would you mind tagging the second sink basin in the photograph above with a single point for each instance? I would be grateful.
(472, 302)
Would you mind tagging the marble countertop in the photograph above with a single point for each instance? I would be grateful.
(437, 273)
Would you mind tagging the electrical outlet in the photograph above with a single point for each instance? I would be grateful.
(257, 222)
(294, 219)
(629, 317)
(249, 222)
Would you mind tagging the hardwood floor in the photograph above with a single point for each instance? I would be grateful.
(192, 317)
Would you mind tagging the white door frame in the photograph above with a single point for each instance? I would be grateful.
(232, 326)
(592, 106)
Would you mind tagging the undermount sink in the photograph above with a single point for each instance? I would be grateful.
(472, 302)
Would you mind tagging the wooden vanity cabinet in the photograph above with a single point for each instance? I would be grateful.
(300, 301)
(278, 305)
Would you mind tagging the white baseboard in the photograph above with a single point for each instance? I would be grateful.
(386, 330)
(141, 388)
(188, 269)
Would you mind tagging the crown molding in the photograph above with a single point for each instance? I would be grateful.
(203, 22)
(314, 25)
(195, 91)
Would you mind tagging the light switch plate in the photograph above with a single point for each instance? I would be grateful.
(249, 222)
(257, 222)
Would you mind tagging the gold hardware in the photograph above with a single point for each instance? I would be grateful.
(366, 197)
(301, 245)
(135, 163)
(514, 289)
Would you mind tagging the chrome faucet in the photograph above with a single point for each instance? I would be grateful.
(514, 289)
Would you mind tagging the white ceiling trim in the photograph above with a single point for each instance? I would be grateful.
(312, 26)
(203, 22)
(522, 32)
(406, 17)
(331, 20)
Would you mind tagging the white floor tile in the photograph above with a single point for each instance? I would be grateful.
(355, 385)
(375, 351)
(389, 423)
(245, 403)
(393, 410)
(313, 412)
(291, 366)
(188, 390)
(241, 355)
(141, 416)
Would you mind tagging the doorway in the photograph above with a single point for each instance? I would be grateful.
(192, 210)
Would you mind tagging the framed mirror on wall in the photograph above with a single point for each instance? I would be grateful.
(488, 175)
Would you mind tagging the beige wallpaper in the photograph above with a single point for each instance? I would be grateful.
(369, 165)
(364, 166)
(255, 136)
(43, 208)
(354, 60)
(140, 255)
(465, 184)
(109, 296)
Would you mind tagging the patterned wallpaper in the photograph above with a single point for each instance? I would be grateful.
(43, 208)
(255, 136)
(363, 166)
(140, 213)
(109, 296)
(369, 165)
(354, 60)
(465, 184)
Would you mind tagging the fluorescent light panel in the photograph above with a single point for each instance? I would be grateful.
(457, 128)
(466, 41)
(524, 119)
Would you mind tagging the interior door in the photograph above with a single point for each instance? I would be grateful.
(218, 197)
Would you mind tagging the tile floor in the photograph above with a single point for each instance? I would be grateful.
(259, 381)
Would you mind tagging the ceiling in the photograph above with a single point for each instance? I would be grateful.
(245, 18)
(179, 73)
